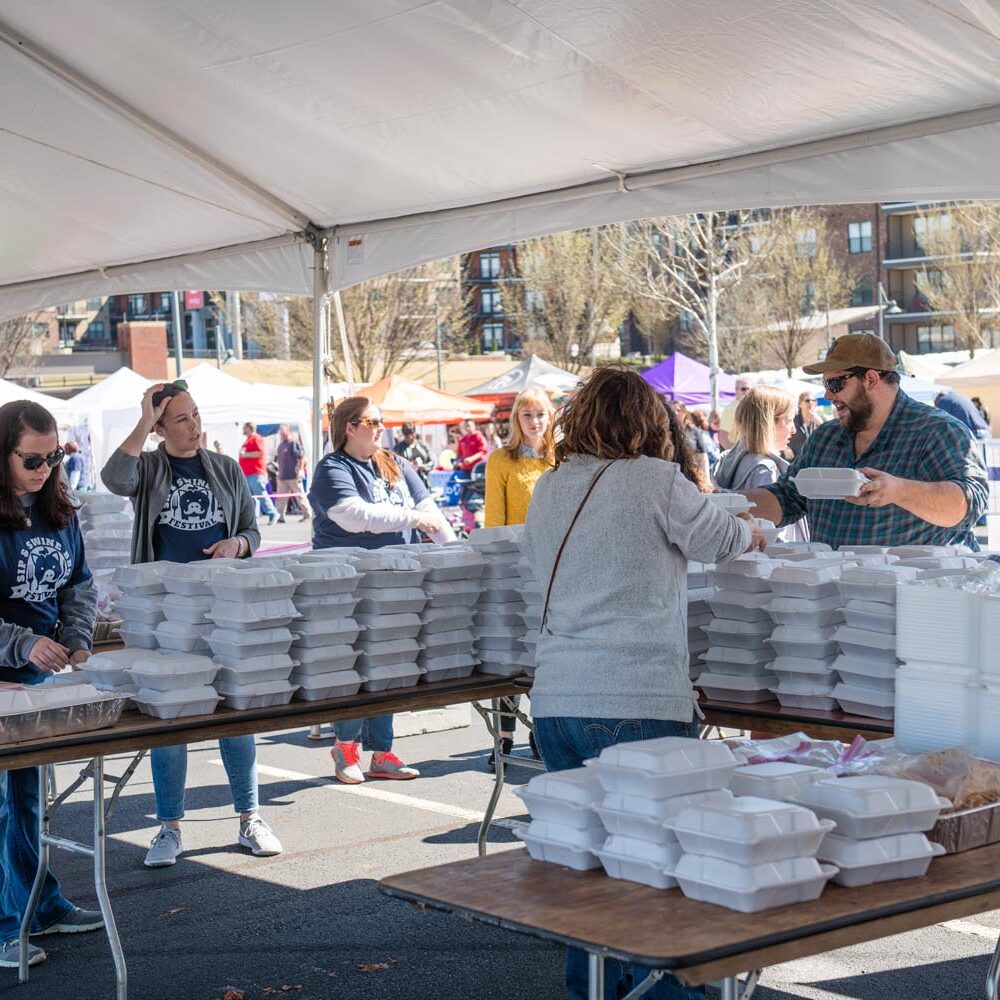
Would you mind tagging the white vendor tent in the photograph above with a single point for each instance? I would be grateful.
(10, 391)
(306, 147)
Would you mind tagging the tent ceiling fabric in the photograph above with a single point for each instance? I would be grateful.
(418, 129)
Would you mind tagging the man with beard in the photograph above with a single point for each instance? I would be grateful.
(927, 484)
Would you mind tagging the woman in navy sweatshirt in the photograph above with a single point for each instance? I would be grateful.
(48, 606)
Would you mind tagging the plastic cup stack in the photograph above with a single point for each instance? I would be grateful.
(251, 607)
(323, 650)
(737, 662)
(451, 585)
(564, 828)
(805, 608)
(500, 624)
(699, 590)
(390, 601)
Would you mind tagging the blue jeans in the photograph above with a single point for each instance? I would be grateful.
(19, 806)
(258, 488)
(377, 732)
(566, 743)
(239, 755)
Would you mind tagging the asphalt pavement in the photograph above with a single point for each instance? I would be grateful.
(311, 924)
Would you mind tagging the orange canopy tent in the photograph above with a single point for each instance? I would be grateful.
(401, 400)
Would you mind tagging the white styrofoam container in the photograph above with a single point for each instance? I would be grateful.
(879, 585)
(552, 810)
(192, 579)
(640, 860)
(382, 628)
(879, 859)
(665, 767)
(263, 695)
(577, 786)
(322, 579)
(383, 653)
(883, 669)
(512, 667)
(732, 632)
(798, 667)
(138, 636)
(937, 624)
(256, 642)
(800, 612)
(319, 687)
(873, 805)
(250, 614)
(447, 668)
(814, 701)
(738, 583)
(142, 578)
(740, 661)
(803, 643)
(555, 852)
(744, 690)
(936, 707)
(829, 484)
(853, 679)
(183, 638)
(492, 620)
(315, 632)
(146, 611)
(325, 605)
(866, 645)
(253, 585)
(390, 600)
(642, 818)
(169, 671)
(323, 659)
(868, 702)
(187, 608)
(778, 780)
(388, 677)
(268, 668)
(445, 643)
(749, 830)
(177, 704)
(750, 889)
(871, 616)
(740, 606)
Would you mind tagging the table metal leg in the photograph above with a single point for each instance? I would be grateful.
(595, 977)
(493, 725)
(729, 988)
(993, 977)
(101, 884)
(43, 867)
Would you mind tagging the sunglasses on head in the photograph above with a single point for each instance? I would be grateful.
(368, 422)
(171, 389)
(32, 462)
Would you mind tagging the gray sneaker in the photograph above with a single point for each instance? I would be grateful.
(10, 955)
(257, 835)
(76, 921)
(165, 847)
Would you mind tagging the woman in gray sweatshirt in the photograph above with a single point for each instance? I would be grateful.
(613, 652)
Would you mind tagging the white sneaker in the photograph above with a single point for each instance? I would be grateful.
(164, 849)
(10, 955)
(257, 835)
(347, 763)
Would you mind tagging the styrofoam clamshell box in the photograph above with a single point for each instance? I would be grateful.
(325, 605)
(182, 637)
(319, 687)
(191, 609)
(866, 645)
(870, 616)
(378, 654)
(442, 668)
(253, 585)
(256, 642)
(324, 579)
(735, 503)
(740, 606)
(192, 579)
(882, 669)
(879, 859)
(323, 659)
(178, 703)
(814, 580)
(829, 484)
(250, 614)
(558, 852)
(138, 637)
(874, 805)
(169, 671)
(733, 632)
(549, 809)
(754, 888)
(387, 677)
(142, 578)
(390, 600)
(243, 675)
(381, 628)
(110, 669)
(640, 860)
(513, 667)
(779, 780)
(643, 818)
(805, 613)
(744, 690)
(805, 643)
(792, 668)
(868, 702)
(263, 695)
(147, 611)
(313, 632)
(664, 767)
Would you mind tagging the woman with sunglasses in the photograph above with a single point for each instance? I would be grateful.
(364, 495)
(48, 606)
(807, 419)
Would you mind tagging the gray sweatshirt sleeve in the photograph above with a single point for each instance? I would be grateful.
(16, 644)
(701, 530)
(246, 526)
(121, 474)
(78, 615)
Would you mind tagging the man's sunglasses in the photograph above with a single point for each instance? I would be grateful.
(368, 422)
(33, 462)
(170, 390)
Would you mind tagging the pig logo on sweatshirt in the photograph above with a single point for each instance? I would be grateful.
(43, 566)
(381, 493)
(191, 506)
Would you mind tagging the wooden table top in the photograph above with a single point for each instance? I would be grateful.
(772, 718)
(699, 942)
(134, 731)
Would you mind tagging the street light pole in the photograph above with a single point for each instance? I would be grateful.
(885, 304)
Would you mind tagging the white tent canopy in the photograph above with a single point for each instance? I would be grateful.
(205, 144)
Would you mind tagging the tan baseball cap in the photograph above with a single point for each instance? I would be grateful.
(856, 350)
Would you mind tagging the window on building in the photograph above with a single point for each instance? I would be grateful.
(493, 336)
(935, 338)
(136, 305)
(925, 225)
(489, 265)
(95, 329)
(862, 293)
(491, 301)
(165, 302)
(93, 305)
(859, 237)
(534, 300)
(805, 242)
(40, 329)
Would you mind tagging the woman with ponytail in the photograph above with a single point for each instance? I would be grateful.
(364, 495)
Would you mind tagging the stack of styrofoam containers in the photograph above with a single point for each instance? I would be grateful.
(498, 646)
(738, 661)
(323, 650)
(646, 786)
(699, 614)
(187, 603)
(108, 671)
(141, 603)
(252, 609)
(531, 617)
(451, 585)
(172, 685)
(390, 600)
(881, 823)
(866, 666)
(938, 684)
(106, 524)
(805, 610)
(564, 828)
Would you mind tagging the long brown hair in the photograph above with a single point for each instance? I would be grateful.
(348, 411)
(526, 398)
(684, 455)
(616, 413)
(52, 500)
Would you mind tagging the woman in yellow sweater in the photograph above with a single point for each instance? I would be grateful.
(511, 474)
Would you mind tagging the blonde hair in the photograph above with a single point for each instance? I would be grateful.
(347, 412)
(755, 414)
(526, 398)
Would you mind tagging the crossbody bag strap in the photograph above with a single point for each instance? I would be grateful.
(555, 565)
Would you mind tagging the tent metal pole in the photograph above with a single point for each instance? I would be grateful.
(319, 345)
(56, 67)
(177, 319)
(345, 347)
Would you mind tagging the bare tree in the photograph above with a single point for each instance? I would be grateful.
(797, 276)
(569, 294)
(17, 338)
(963, 281)
(689, 265)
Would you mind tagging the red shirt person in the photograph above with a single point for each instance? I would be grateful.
(253, 463)
(472, 448)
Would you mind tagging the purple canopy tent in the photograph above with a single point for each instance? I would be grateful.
(685, 380)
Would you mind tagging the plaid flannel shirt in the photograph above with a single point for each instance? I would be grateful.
(917, 442)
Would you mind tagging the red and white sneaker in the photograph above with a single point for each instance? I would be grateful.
(388, 765)
(346, 764)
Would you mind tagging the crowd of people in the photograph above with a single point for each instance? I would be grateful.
(612, 489)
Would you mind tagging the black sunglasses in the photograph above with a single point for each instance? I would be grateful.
(170, 390)
(836, 382)
(32, 462)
